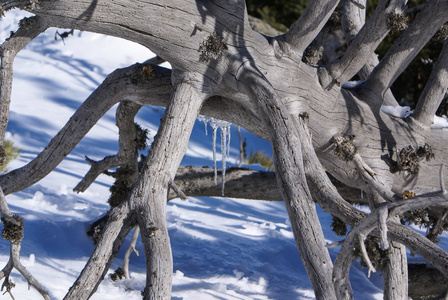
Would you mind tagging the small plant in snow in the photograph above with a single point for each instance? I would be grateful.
(11, 153)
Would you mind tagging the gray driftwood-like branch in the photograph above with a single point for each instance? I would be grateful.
(426, 24)
(224, 69)
(29, 29)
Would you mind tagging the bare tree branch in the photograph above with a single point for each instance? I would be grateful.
(426, 24)
(149, 197)
(121, 85)
(434, 91)
(361, 48)
(287, 152)
(13, 231)
(119, 224)
(129, 251)
(308, 26)
(29, 29)
(364, 227)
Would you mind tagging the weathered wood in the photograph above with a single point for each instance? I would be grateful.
(262, 84)
(149, 197)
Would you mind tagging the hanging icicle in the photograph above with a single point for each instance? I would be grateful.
(205, 120)
(225, 145)
(214, 128)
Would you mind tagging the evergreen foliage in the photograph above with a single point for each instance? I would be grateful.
(261, 158)
(280, 14)
(11, 153)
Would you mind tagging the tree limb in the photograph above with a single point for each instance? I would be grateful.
(435, 90)
(29, 29)
(291, 180)
(353, 19)
(122, 84)
(361, 48)
(13, 231)
(308, 26)
(426, 24)
(148, 198)
(365, 226)
(120, 222)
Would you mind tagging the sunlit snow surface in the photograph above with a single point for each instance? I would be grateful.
(223, 248)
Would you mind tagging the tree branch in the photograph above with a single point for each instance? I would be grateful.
(361, 48)
(13, 231)
(129, 251)
(123, 84)
(426, 24)
(96, 168)
(434, 91)
(370, 222)
(127, 148)
(149, 196)
(29, 29)
(291, 180)
(120, 222)
(308, 26)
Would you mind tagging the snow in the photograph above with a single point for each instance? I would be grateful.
(223, 248)
(439, 123)
(397, 111)
(351, 84)
(405, 111)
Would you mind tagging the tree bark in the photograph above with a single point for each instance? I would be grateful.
(149, 197)
(289, 167)
(312, 119)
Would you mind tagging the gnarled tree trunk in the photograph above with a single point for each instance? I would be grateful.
(314, 119)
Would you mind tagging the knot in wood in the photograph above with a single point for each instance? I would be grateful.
(151, 230)
(12, 229)
(441, 35)
(345, 148)
(408, 158)
(27, 23)
(212, 47)
(397, 21)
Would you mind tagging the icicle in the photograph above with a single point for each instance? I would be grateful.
(228, 141)
(241, 158)
(362, 194)
(214, 127)
(225, 145)
(223, 156)
(205, 120)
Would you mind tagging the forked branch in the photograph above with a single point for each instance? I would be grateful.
(361, 49)
(13, 231)
(426, 24)
(368, 224)
(310, 23)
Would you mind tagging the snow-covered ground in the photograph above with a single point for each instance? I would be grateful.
(223, 248)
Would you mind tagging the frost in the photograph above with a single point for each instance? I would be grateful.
(225, 144)
(397, 111)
